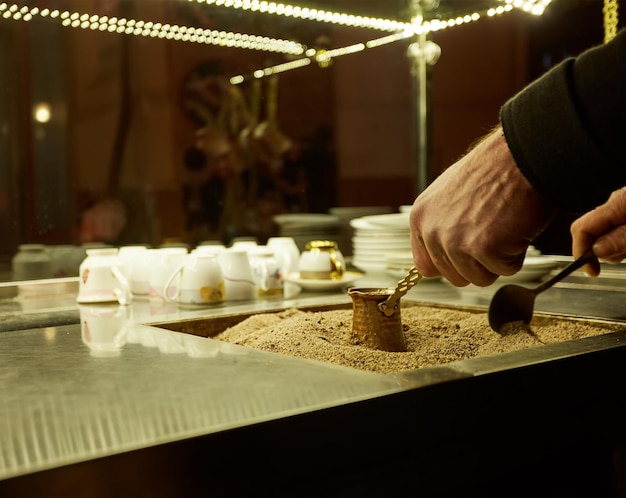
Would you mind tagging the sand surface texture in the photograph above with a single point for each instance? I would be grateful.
(434, 336)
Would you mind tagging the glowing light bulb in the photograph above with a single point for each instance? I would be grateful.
(41, 112)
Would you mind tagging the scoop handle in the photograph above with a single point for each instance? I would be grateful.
(587, 257)
(389, 305)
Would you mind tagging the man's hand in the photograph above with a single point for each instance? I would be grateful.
(476, 220)
(604, 229)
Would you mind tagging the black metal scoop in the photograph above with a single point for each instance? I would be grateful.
(514, 303)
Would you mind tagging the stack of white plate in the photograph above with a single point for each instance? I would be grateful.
(347, 214)
(377, 236)
(303, 227)
(398, 264)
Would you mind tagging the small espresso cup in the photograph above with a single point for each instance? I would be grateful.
(102, 278)
(131, 256)
(238, 277)
(163, 262)
(286, 252)
(200, 281)
(266, 271)
(321, 260)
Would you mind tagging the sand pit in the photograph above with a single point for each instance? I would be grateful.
(434, 336)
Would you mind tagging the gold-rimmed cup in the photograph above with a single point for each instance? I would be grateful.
(321, 260)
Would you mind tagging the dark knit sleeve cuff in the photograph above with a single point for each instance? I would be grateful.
(564, 130)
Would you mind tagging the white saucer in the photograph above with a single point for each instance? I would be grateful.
(398, 221)
(364, 227)
(323, 285)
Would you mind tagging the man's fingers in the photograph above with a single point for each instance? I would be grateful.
(611, 247)
(430, 261)
(604, 229)
(421, 258)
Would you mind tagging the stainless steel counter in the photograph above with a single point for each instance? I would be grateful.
(65, 400)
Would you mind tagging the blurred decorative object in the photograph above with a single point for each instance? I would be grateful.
(429, 51)
(213, 142)
(245, 135)
(270, 143)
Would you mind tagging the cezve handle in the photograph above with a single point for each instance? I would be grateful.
(390, 305)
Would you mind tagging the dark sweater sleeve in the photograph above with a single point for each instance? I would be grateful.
(567, 130)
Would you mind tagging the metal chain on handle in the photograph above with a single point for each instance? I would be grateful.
(609, 11)
(389, 305)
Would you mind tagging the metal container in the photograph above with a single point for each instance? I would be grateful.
(370, 326)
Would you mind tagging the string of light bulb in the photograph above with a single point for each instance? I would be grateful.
(324, 57)
(153, 29)
(306, 13)
(401, 30)
(535, 7)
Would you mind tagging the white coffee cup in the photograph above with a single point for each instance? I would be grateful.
(140, 284)
(321, 260)
(286, 252)
(131, 257)
(238, 279)
(266, 271)
(244, 245)
(210, 249)
(163, 262)
(101, 278)
(104, 328)
(199, 280)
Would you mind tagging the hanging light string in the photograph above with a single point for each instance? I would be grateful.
(535, 7)
(306, 13)
(153, 29)
(401, 30)
(325, 57)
